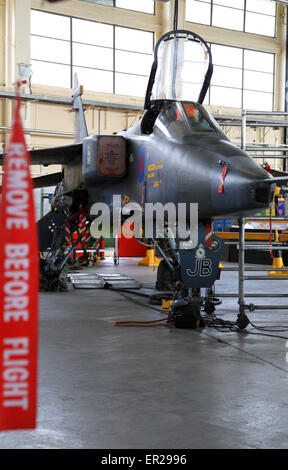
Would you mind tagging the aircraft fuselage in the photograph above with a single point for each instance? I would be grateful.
(162, 170)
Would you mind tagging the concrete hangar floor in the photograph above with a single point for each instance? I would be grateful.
(102, 386)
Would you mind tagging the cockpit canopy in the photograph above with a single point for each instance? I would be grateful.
(178, 82)
(180, 120)
(181, 70)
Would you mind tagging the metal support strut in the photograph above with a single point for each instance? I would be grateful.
(242, 319)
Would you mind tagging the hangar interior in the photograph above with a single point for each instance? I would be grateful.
(101, 386)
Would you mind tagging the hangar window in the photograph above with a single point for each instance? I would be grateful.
(50, 49)
(198, 11)
(133, 59)
(92, 54)
(258, 80)
(242, 78)
(260, 17)
(145, 6)
(107, 58)
(251, 16)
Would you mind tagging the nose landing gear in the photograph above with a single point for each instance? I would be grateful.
(196, 268)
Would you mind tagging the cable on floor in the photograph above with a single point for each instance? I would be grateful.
(151, 323)
(243, 350)
(120, 292)
(219, 324)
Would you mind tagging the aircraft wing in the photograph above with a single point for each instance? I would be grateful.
(47, 180)
(278, 173)
(54, 155)
(276, 180)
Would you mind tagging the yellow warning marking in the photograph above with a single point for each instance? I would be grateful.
(166, 305)
(156, 184)
(151, 175)
(151, 167)
(158, 167)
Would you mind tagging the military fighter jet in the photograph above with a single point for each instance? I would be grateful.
(177, 153)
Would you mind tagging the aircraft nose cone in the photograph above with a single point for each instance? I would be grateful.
(244, 191)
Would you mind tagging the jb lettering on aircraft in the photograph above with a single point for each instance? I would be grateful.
(203, 268)
(176, 153)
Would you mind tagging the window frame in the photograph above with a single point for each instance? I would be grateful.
(121, 8)
(243, 69)
(71, 42)
(213, 3)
